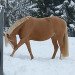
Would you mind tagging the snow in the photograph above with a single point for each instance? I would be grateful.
(42, 64)
(57, 11)
(34, 9)
(33, 5)
(72, 25)
(72, 4)
(59, 6)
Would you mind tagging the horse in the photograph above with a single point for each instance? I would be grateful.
(39, 29)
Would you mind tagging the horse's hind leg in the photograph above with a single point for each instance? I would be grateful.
(60, 41)
(29, 49)
(54, 41)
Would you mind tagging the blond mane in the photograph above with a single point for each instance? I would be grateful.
(16, 24)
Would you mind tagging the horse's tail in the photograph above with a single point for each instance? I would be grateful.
(65, 52)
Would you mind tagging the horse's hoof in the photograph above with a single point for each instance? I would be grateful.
(11, 55)
(52, 57)
(32, 57)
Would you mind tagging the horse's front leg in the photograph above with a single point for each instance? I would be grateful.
(26, 41)
(22, 41)
(17, 46)
(14, 43)
(29, 48)
(13, 51)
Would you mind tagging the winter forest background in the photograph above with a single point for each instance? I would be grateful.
(16, 9)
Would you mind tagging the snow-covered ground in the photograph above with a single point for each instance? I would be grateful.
(42, 64)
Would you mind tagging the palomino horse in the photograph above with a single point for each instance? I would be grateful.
(39, 29)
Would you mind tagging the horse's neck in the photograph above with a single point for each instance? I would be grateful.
(15, 31)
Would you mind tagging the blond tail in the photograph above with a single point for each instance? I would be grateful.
(65, 52)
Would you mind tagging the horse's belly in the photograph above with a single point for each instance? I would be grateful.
(41, 36)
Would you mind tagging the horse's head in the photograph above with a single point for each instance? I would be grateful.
(9, 39)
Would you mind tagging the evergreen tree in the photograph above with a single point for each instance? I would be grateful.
(15, 10)
(45, 8)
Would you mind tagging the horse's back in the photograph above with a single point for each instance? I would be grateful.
(42, 28)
